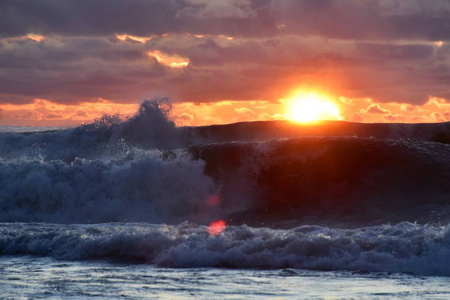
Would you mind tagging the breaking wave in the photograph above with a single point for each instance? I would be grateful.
(317, 197)
(144, 169)
(405, 247)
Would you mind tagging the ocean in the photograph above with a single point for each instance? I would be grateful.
(137, 208)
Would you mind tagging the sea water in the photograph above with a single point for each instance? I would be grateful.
(148, 261)
(34, 277)
(138, 208)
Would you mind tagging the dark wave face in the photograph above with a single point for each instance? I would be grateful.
(332, 179)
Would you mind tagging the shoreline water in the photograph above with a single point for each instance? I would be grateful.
(45, 278)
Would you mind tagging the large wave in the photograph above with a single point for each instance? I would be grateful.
(144, 168)
(332, 179)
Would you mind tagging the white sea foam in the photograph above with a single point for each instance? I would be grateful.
(140, 186)
(405, 247)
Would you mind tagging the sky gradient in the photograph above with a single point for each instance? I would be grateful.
(67, 62)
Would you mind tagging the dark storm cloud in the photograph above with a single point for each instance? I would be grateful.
(394, 52)
(378, 19)
(86, 17)
(367, 20)
(135, 17)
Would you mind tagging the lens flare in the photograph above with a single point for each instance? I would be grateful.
(216, 227)
(213, 200)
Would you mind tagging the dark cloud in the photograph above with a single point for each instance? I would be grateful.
(73, 70)
(135, 17)
(390, 52)
(87, 18)
(378, 19)
(367, 20)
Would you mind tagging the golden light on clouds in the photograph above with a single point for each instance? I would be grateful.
(224, 112)
(172, 61)
(221, 38)
(308, 107)
(139, 39)
(366, 110)
(230, 38)
(35, 37)
(42, 112)
(439, 44)
(31, 36)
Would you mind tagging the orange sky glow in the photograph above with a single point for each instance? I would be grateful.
(46, 113)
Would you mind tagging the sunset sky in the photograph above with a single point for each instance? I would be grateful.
(67, 62)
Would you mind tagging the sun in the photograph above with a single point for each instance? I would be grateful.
(311, 107)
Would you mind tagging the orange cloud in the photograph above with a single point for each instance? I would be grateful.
(367, 110)
(139, 39)
(172, 61)
(35, 37)
(42, 112)
(224, 112)
(376, 109)
(244, 111)
(31, 36)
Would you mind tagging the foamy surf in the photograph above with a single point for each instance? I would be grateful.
(403, 248)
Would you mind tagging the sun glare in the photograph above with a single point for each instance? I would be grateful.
(217, 227)
(311, 107)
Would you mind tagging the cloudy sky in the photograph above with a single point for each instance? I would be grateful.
(67, 62)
